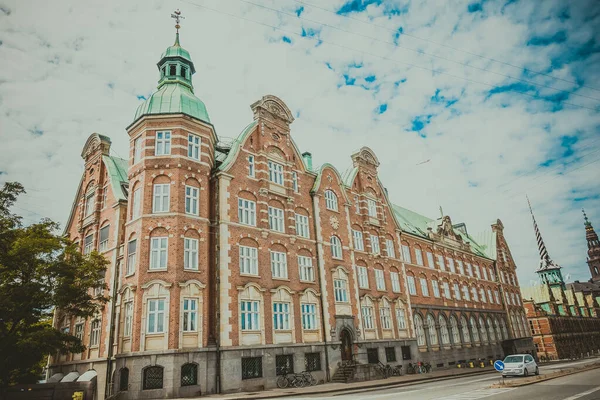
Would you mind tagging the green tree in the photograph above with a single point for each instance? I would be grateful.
(40, 271)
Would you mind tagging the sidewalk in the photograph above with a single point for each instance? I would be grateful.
(329, 388)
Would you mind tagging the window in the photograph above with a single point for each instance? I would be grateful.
(309, 316)
(194, 147)
(372, 208)
(79, 331)
(492, 276)
(131, 249)
(441, 263)
(251, 167)
(251, 367)
(190, 315)
(276, 219)
(249, 315)
(128, 319)
(406, 253)
(406, 352)
(104, 196)
(340, 291)
(363, 277)
(284, 364)
(461, 269)
(275, 173)
(456, 291)
(135, 213)
(433, 337)
(158, 252)
(436, 288)
(485, 273)
(395, 278)
(356, 204)
(401, 317)
(307, 272)
(312, 362)
(88, 244)
(474, 294)
(451, 265)
(90, 202)
(469, 269)
(161, 198)
(446, 287)
(189, 374)
(137, 149)
(418, 256)
(476, 269)
(474, 330)
(336, 247)
(279, 265)
(379, 279)
(191, 200)
(248, 260)
(331, 201)
(281, 316)
(123, 379)
(375, 244)
(454, 330)
(302, 226)
(424, 287)
(357, 237)
(386, 318)
(465, 291)
(430, 262)
(162, 144)
(465, 330)
(482, 295)
(247, 212)
(153, 378)
(444, 333)
(95, 333)
(156, 316)
(497, 296)
(490, 298)
(389, 247)
(295, 181)
(372, 356)
(103, 239)
(420, 331)
(367, 314)
(412, 288)
(190, 254)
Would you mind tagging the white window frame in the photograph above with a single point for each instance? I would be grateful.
(386, 317)
(251, 167)
(190, 254)
(412, 286)
(192, 200)
(279, 268)
(367, 314)
(137, 197)
(103, 245)
(406, 254)
(194, 143)
(137, 149)
(103, 198)
(159, 246)
(424, 287)
(401, 318)
(372, 208)
(309, 316)
(357, 238)
(295, 182)
(336, 247)
(88, 245)
(340, 290)
(248, 260)
(131, 256)
(128, 318)
(190, 315)
(246, 212)
(249, 315)
(275, 172)
(276, 219)
(363, 277)
(379, 279)
(155, 316)
(302, 226)
(436, 288)
(375, 249)
(162, 143)
(306, 269)
(161, 197)
(95, 329)
(331, 200)
(281, 316)
(395, 279)
(390, 248)
(90, 202)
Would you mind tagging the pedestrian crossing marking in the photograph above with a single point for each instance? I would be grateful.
(476, 394)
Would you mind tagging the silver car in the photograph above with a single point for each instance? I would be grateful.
(520, 364)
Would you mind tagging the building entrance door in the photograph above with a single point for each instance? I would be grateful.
(346, 346)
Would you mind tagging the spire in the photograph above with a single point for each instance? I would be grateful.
(586, 223)
(545, 258)
(177, 16)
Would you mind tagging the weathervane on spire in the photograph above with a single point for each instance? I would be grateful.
(585, 217)
(177, 16)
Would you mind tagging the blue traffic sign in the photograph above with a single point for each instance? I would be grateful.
(499, 365)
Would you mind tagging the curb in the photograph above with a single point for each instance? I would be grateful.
(548, 377)
(366, 387)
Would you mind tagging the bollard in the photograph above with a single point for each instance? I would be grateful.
(481, 364)
(492, 363)
(471, 364)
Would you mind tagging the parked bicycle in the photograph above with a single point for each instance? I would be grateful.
(397, 370)
(427, 367)
(411, 369)
(302, 379)
(384, 370)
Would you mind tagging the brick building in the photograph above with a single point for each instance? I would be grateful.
(232, 262)
(564, 318)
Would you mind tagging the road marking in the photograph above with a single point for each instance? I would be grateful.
(571, 363)
(476, 394)
(578, 395)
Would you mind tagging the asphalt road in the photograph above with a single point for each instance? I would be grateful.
(580, 386)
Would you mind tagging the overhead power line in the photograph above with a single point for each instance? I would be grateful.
(527, 70)
(535, 96)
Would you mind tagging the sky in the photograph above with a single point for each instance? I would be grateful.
(469, 105)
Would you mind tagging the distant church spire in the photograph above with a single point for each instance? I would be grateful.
(593, 249)
(548, 270)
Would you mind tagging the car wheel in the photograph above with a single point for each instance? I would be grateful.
(537, 371)
(525, 372)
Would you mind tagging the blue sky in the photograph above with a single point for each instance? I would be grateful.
(501, 96)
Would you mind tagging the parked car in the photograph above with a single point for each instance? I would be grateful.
(520, 364)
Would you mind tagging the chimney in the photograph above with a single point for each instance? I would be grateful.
(307, 157)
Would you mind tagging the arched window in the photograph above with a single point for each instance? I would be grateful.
(525, 326)
(331, 200)
(189, 374)
(482, 331)
(474, 330)
(340, 286)
(433, 336)
(465, 330)
(336, 247)
(490, 329)
(503, 327)
(497, 328)
(124, 379)
(455, 331)
(445, 335)
(420, 331)
(152, 377)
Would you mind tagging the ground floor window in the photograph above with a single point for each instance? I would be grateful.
(189, 374)
(284, 364)
(390, 354)
(312, 362)
(406, 353)
(153, 378)
(124, 379)
(372, 356)
(251, 367)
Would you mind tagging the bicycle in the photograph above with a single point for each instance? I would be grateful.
(427, 367)
(308, 378)
(411, 369)
(384, 370)
(285, 380)
(397, 370)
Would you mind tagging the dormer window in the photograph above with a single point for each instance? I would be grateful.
(184, 72)
(173, 70)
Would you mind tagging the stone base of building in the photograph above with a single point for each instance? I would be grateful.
(449, 356)
(81, 367)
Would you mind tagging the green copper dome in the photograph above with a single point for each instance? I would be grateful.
(175, 92)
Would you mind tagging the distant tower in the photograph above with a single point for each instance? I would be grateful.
(548, 271)
(593, 249)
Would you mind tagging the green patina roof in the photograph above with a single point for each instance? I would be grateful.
(176, 51)
(487, 243)
(117, 173)
(412, 222)
(235, 147)
(173, 99)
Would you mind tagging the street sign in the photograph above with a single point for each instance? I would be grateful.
(499, 365)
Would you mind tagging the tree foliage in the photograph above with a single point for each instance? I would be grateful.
(40, 271)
